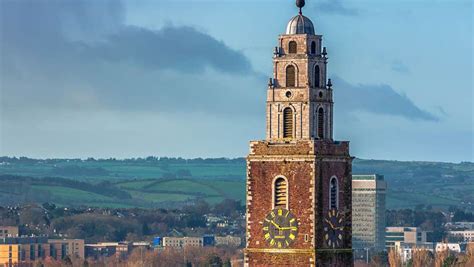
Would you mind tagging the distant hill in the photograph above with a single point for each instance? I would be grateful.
(170, 182)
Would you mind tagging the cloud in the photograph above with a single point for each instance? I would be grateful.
(81, 55)
(336, 7)
(377, 99)
(83, 30)
(400, 67)
(177, 48)
(58, 59)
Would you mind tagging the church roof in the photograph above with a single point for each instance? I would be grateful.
(300, 25)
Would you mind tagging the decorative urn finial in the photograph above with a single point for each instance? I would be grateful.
(300, 4)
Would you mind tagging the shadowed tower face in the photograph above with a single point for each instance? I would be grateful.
(299, 178)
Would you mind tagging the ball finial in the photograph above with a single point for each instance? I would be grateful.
(300, 4)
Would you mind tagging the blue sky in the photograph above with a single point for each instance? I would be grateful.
(188, 78)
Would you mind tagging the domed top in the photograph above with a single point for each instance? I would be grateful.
(300, 25)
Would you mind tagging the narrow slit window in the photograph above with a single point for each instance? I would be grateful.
(287, 123)
(313, 47)
(281, 197)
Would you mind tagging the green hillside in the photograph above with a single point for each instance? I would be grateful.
(170, 182)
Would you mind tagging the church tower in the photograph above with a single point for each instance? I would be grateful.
(299, 177)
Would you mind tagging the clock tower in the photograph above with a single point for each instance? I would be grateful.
(299, 177)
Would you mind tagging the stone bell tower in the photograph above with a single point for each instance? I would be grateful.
(299, 178)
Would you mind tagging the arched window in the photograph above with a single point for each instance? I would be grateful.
(333, 193)
(317, 76)
(292, 47)
(281, 192)
(313, 47)
(287, 123)
(290, 76)
(321, 123)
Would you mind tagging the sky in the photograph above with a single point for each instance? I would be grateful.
(180, 78)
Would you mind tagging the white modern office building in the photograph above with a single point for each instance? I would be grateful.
(368, 212)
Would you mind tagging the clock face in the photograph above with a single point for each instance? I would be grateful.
(333, 229)
(280, 228)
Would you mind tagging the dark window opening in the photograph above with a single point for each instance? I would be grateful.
(317, 76)
(292, 47)
(313, 47)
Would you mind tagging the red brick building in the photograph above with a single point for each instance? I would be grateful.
(299, 178)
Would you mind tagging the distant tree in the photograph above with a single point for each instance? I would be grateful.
(450, 261)
(228, 207)
(49, 206)
(379, 259)
(200, 207)
(213, 260)
(460, 216)
(193, 220)
(67, 261)
(145, 229)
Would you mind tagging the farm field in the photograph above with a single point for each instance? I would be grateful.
(168, 182)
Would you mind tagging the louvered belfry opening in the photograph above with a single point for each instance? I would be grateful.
(290, 76)
(287, 123)
(292, 47)
(321, 123)
(333, 191)
(280, 192)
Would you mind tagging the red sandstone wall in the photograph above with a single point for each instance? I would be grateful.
(300, 198)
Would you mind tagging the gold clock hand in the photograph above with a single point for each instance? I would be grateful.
(288, 228)
(276, 225)
(332, 226)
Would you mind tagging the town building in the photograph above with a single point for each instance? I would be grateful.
(15, 251)
(458, 226)
(9, 231)
(368, 213)
(108, 249)
(453, 247)
(299, 178)
(231, 241)
(67, 247)
(406, 250)
(465, 236)
(181, 242)
(405, 235)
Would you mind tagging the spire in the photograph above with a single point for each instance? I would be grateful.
(300, 4)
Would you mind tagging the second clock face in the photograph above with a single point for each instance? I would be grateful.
(334, 229)
(280, 228)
